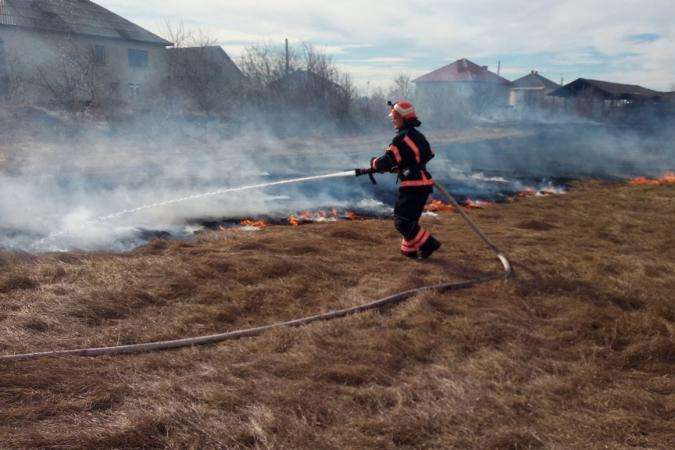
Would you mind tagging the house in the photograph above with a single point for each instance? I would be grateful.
(611, 101)
(531, 92)
(461, 89)
(211, 61)
(76, 51)
(668, 108)
(202, 77)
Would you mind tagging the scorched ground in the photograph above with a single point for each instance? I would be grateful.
(578, 350)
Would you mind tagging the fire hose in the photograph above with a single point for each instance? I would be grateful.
(331, 315)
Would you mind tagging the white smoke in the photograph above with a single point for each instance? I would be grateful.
(59, 187)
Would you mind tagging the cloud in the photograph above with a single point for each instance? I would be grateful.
(379, 60)
(371, 76)
(644, 37)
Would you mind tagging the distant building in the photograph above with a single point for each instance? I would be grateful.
(531, 92)
(211, 61)
(203, 78)
(611, 101)
(75, 50)
(462, 88)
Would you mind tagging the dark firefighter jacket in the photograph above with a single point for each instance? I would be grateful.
(408, 154)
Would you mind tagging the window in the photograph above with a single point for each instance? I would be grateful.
(138, 58)
(134, 90)
(99, 55)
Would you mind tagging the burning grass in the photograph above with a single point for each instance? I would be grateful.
(668, 178)
(575, 352)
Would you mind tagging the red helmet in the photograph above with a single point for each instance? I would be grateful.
(405, 109)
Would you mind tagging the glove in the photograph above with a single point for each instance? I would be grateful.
(369, 172)
(372, 160)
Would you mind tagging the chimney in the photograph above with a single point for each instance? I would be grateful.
(485, 67)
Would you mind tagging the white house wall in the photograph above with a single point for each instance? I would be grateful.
(32, 55)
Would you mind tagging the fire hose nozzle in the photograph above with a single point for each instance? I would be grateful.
(369, 172)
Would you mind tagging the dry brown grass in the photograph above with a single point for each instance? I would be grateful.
(577, 351)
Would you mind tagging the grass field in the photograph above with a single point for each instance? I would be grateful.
(576, 351)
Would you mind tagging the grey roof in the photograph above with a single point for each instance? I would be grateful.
(606, 89)
(535, 81)
(211, 54)
(73, 16)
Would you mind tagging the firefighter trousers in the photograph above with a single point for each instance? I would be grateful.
(407, 212)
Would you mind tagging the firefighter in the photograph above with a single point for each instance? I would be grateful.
(408, 155)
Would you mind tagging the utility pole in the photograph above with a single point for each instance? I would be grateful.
(288, 59)
(499, 67)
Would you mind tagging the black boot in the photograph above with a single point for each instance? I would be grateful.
(429, 247)
(411, 255)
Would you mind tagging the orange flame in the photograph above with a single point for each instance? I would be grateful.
(528, 192)
(668, 178)
(253, 223)
(476, 204)
(438, 206)
(644, 181)
(316, 216)
(320, 216)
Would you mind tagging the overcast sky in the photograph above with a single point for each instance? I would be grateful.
(615, 40)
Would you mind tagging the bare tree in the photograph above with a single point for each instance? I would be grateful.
(70, 77)
(265, 63)
(371, 110)
(201, 76)
(318, 63)
(303, 85)
(177, 34)
(402, 89)
(182, 37)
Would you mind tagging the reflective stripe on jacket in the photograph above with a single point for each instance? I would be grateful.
(408, 154)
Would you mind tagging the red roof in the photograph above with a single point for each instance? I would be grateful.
(462, 70)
